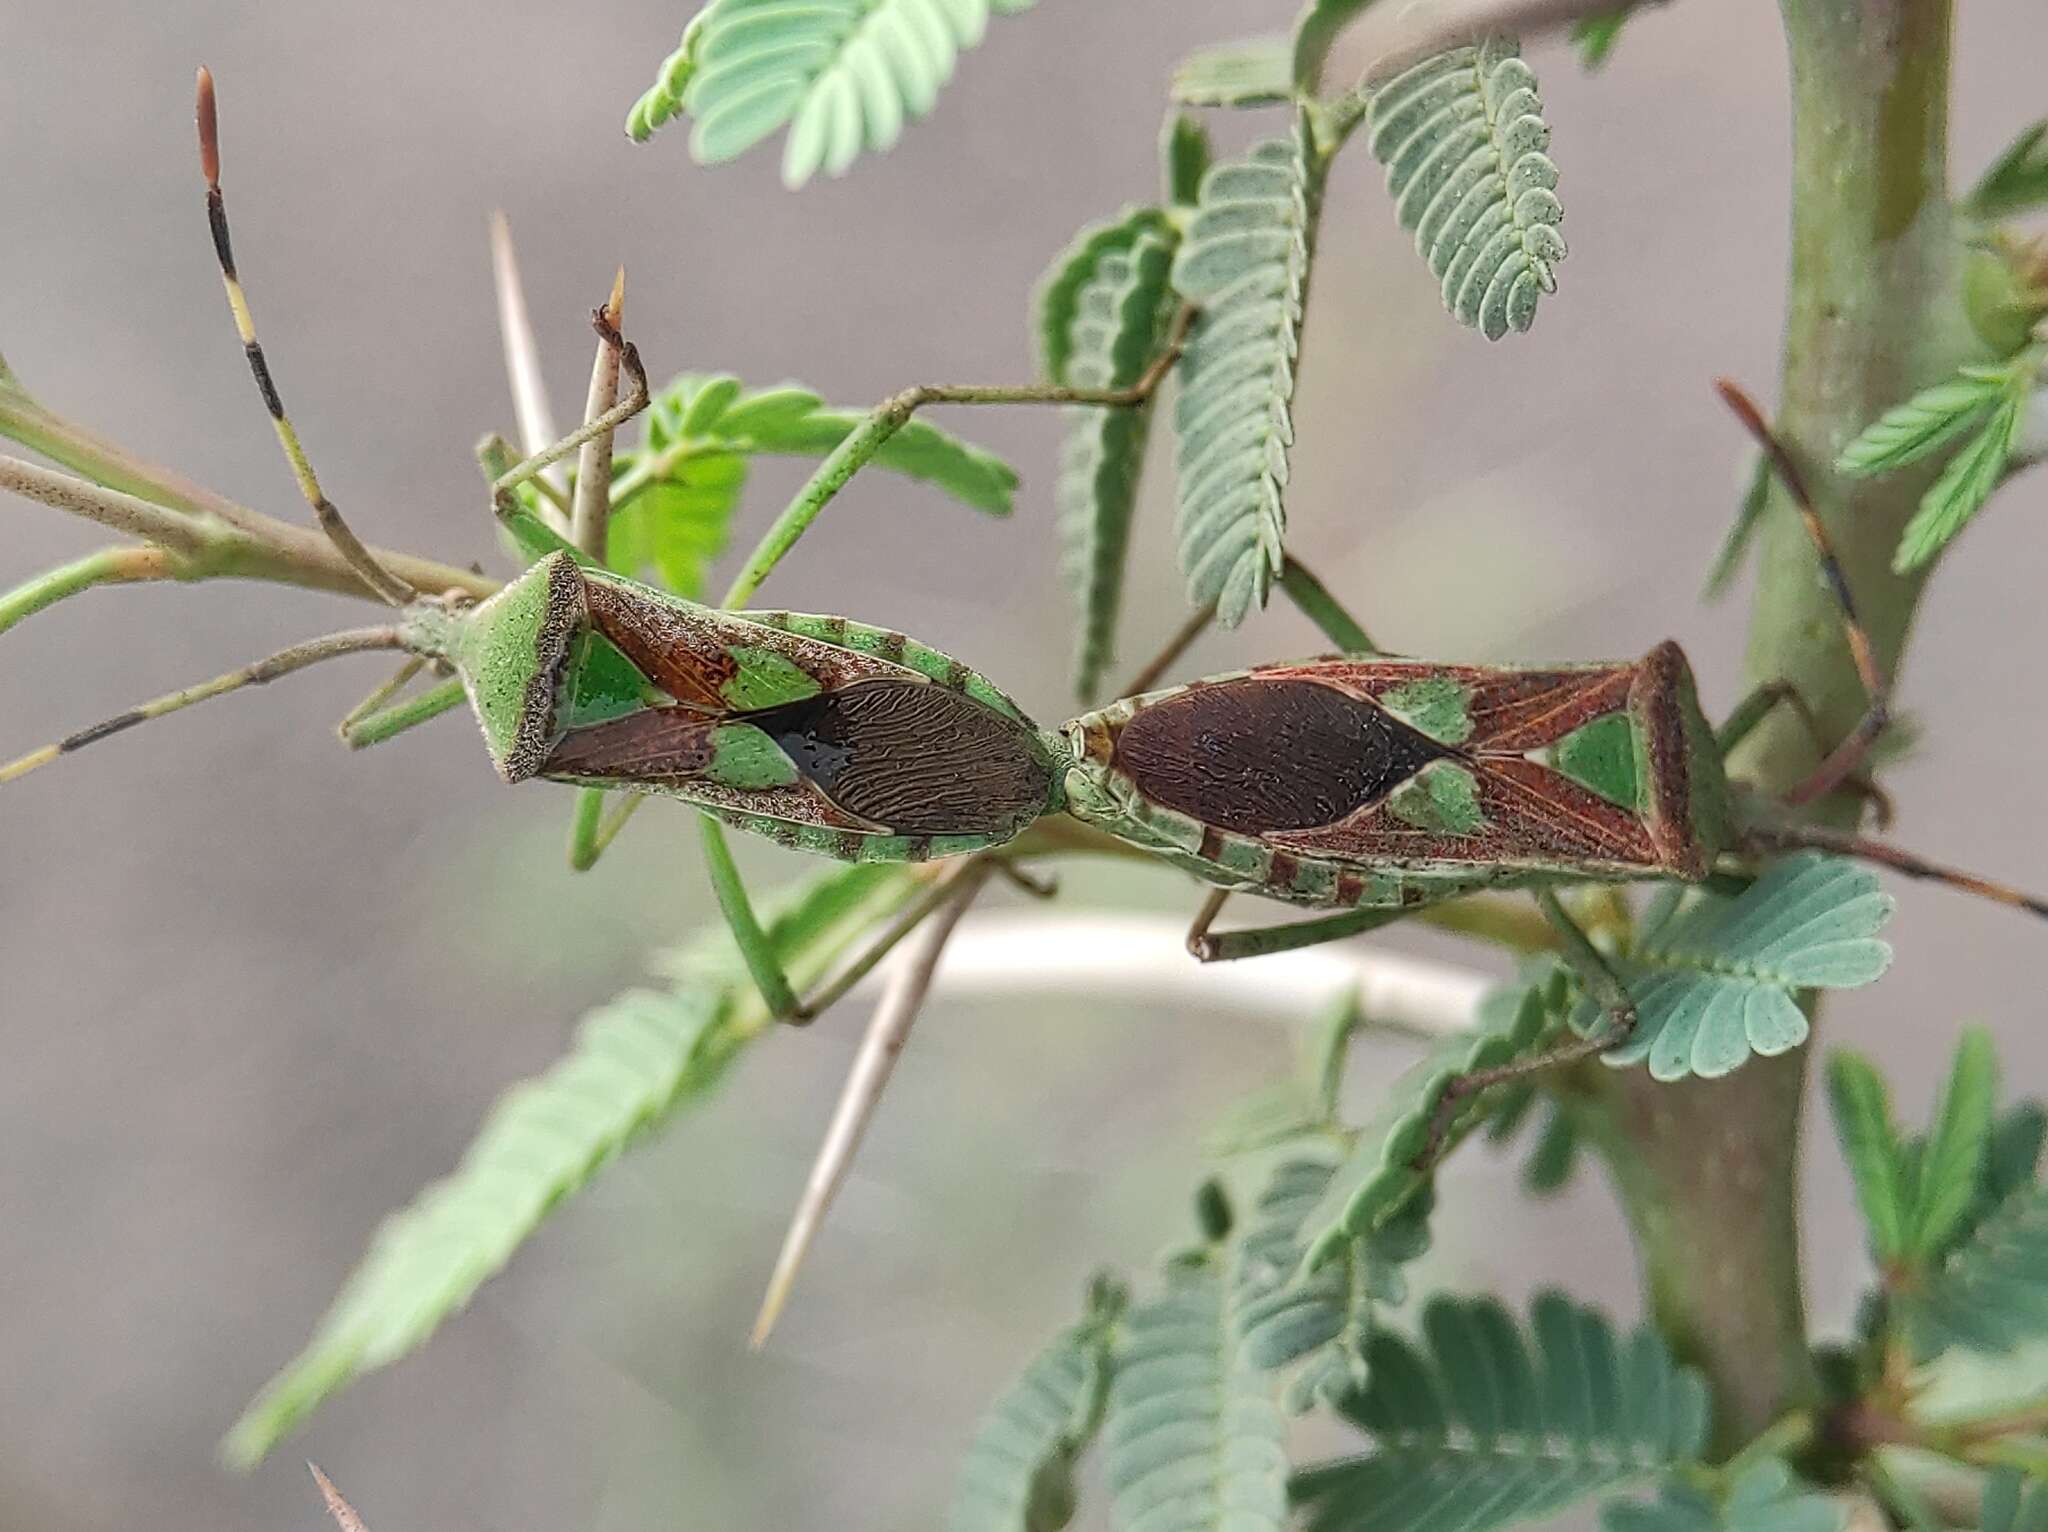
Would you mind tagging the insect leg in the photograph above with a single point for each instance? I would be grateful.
(755, 949)
(637, 395)
(595, 827)
(366, 726)
(282, 663)
(1757, 706)
(1843, 843)
(893, 414)
(1259, 941)
(1848, 756)
(1601, 982)
(385, 585)
(1324, 609)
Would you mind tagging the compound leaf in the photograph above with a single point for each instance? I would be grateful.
(1018, 1475)
(1245, 261)
(843, 75)
(1714, 985)
(2017, 181)
(1986, 407)
(1463, 139)
(1192, 1442)
(635, 1060)
(1255, 71)
(1381, 1174)
(1485, 1424)
(1990, 1292)
(1058, 302)
(1316, 1322)
(1965, 484)
(1925, 423)
(1122, 316)
(1766, 1497)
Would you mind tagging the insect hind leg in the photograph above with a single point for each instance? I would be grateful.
(1601, 981)
(1847, 758)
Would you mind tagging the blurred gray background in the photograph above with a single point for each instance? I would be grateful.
(255, 992)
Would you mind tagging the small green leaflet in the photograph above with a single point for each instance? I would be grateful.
(1185, 155)
(1257, 71)
(843, 75)
(675, 494)
(1485, 1424)
(1986, 405)
(1316, 31)
(1965, 484)
(1950, 1164)
(1749, 511)
(1990, 1293)
(1870, 1143)
(2013, 1503)
(1018, 1475)
(1715, 984)
(1958, 1221)
(1554, 1154)
(2017, 181)
(1766, 1497)
(1316, 1322)
(1192, 1441)
(1595, 36)
(1380, 1175)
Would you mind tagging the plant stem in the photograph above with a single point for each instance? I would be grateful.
(1708, 1170)
(109, 566)
(154, 502)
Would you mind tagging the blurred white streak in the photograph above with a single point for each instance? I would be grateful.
(1146, 958)
(536, 421)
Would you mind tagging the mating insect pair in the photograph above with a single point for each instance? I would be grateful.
(1363, 783)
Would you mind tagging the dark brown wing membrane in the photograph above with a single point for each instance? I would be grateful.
(916, 758)
(1259, 755)
(654, 745)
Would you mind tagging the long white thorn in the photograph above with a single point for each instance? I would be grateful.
(343, 1513)
(903, 994)
(530, 410)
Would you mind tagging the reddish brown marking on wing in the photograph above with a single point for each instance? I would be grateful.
(1551, 810)
(666, 649)
(1512, 711)
(1534, 816)
(1525, 710)
(663, 744)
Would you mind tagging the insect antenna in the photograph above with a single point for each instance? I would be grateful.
(1865, 849)
(385, 585)
(282, 663)
(1851, 753)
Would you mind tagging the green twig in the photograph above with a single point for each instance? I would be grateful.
(109, 566)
